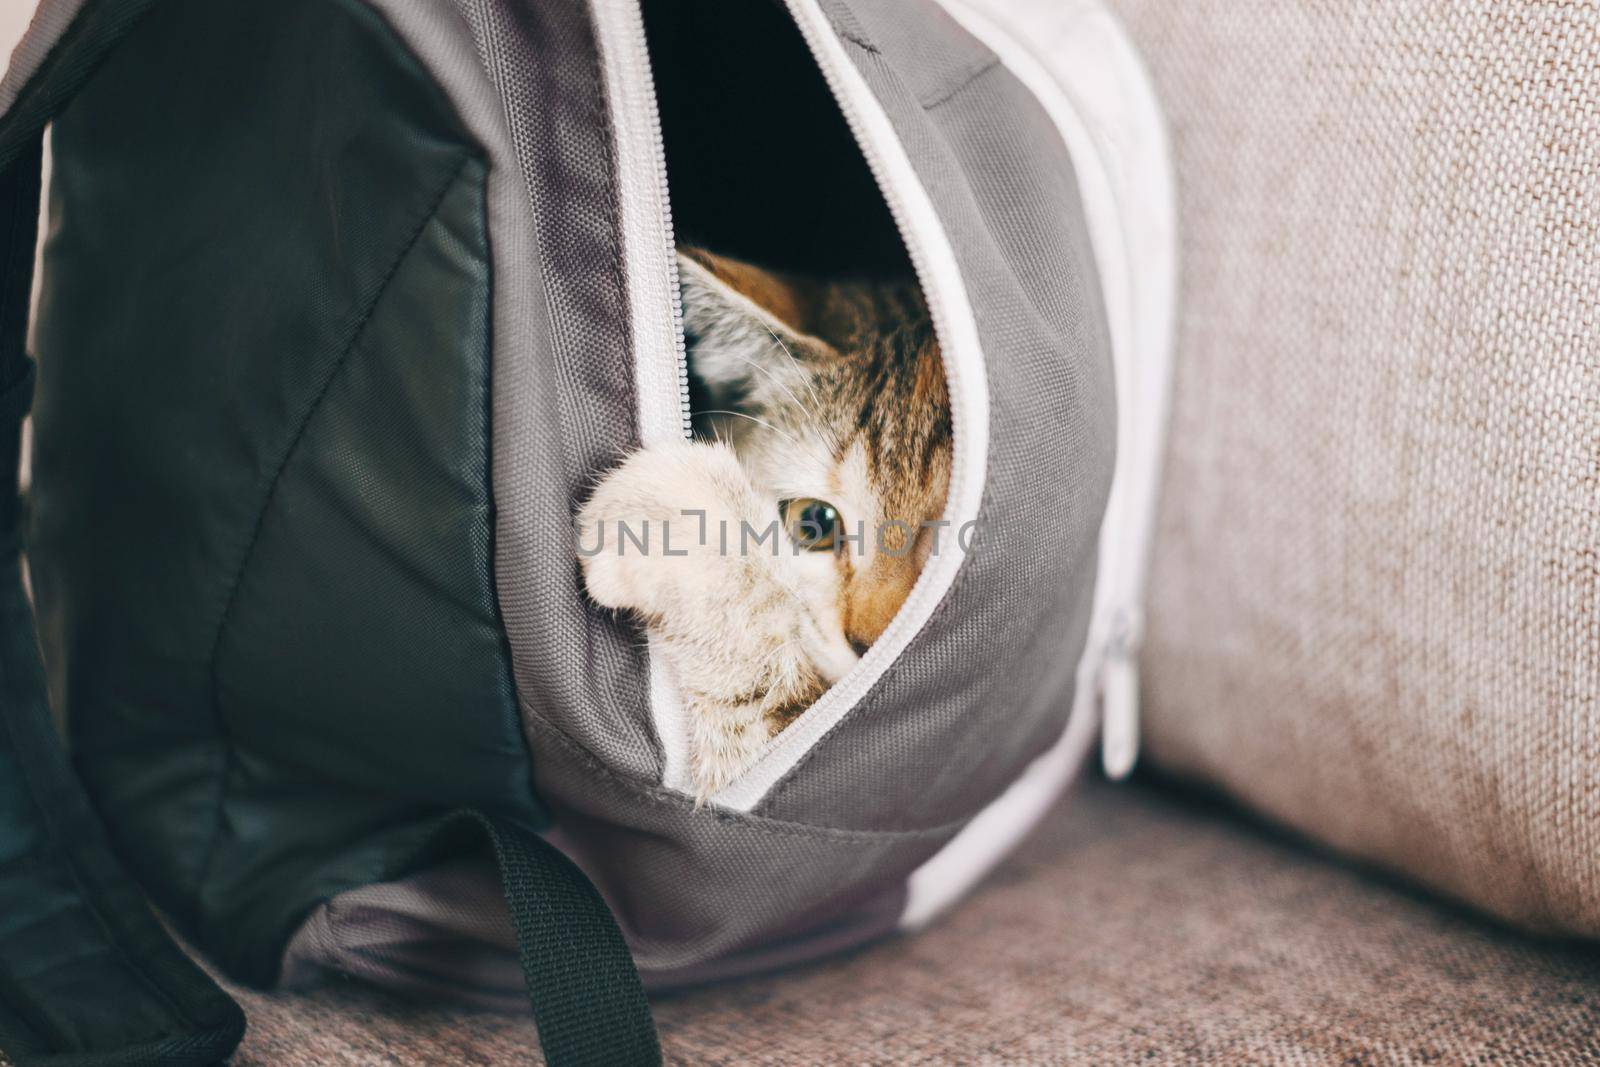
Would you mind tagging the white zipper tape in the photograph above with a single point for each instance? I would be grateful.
(1079, 63)
(661, 368)
(1104, 106)
(935, 264)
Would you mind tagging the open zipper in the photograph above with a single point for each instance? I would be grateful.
(954, 324)
(660, 357)
(661, 361)
(661, 367)
(1139, 312)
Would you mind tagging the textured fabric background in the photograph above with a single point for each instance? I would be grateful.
(13, 20)
(1376, 597)
(1131, 929)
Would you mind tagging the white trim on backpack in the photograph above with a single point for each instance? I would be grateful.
(1086, 73)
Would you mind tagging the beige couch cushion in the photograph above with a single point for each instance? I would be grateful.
(1376, 594)
(1130, 929)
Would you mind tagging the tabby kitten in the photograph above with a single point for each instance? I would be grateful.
(785, 537)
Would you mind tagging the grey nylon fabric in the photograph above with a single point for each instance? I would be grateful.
(445, 934)
(562, 374)
(442, 934)
(49, 22)
(988, 684)
(692, 885)
(565, 408)
(970, 704)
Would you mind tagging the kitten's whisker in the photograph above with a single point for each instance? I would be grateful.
(752, 418)
(716, 430)
(816, 412)
(803, 377)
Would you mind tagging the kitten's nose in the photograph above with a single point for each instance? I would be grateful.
(875, 597)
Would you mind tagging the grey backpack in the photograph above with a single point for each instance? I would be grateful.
(343, 306)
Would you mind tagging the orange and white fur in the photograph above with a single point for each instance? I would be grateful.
(829, 422)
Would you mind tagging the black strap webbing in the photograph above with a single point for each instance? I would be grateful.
(87, 973)
(88, 976)
(586, 993)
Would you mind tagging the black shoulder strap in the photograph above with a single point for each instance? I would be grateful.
(88, 976)
(586, 993)
(87, 973)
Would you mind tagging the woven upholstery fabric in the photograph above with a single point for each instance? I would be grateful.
(1131, 928)
(13, 21)
(1375, 607)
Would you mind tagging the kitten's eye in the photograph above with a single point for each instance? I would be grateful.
(813, 524)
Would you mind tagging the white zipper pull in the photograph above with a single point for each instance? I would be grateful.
(1118, 689)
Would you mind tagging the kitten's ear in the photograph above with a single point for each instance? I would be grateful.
(745, 323)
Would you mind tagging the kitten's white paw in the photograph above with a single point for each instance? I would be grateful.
(727, 740)
(733, 621)
(647, 538)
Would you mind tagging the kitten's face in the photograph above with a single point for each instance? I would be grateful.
(835, 400)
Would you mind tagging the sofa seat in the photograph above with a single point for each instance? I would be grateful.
(1139, 925)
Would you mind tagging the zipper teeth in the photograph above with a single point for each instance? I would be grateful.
(936, 311)
(656, 316)
(680, 343)
(658, 151)
(785, 750)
